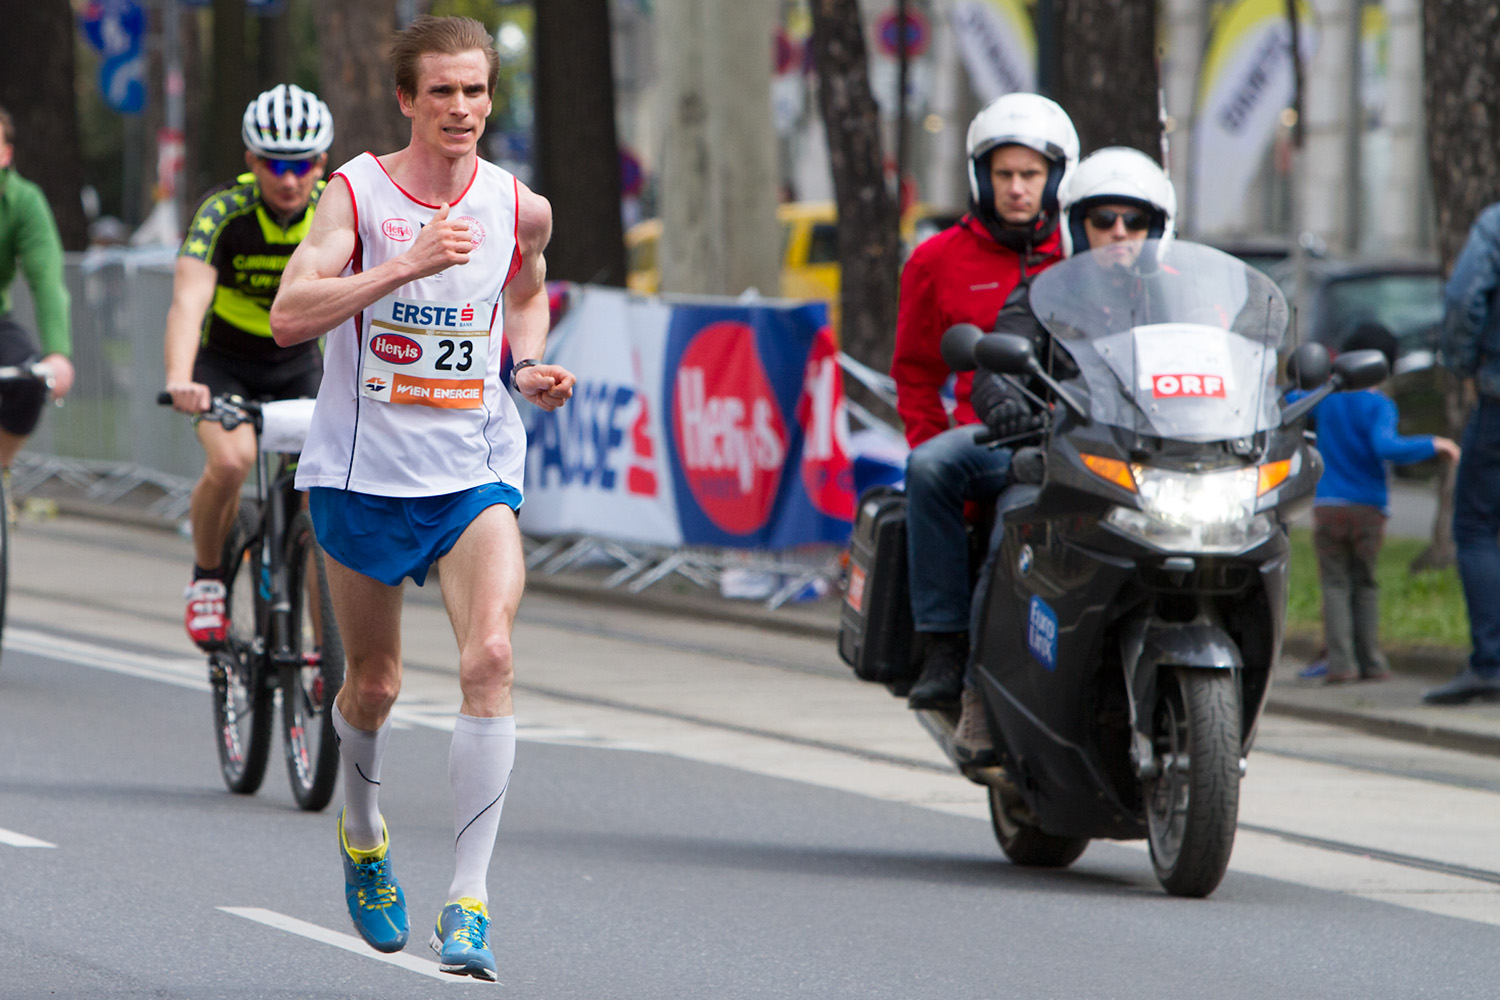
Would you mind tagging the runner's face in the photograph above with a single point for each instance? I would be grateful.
(451, 103)
(7, 151)
(285, 193)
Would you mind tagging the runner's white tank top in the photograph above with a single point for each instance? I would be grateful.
(411, 402)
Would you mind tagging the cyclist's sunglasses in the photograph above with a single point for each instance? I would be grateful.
(1104, 218)
(283, 167)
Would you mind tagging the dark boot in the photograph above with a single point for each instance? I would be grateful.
(942, 677)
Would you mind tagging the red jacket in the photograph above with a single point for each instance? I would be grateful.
(961, 275)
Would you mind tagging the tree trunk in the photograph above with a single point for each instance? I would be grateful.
(37, 88)
(356, 81)
(1461, 46)
(718, 169)
(229, 90)
(869, 245)
(577, 148)
(1110, 77)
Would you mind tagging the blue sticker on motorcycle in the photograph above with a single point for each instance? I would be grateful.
(1041, 633)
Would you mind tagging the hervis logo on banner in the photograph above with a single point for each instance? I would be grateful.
(728, 429)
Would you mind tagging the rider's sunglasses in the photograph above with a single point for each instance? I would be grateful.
(283, 167)
(1104, 218)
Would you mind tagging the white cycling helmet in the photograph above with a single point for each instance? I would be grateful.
(287, 122)
(1029, 120)
(1125, 176)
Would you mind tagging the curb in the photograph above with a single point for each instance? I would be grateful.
(1482, 744)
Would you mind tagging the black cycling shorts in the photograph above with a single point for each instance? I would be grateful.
(20, 404)
(294, 379)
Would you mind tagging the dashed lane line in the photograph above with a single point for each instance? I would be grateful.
(11, 838)
(348, 942)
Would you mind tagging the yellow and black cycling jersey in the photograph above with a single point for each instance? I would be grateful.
(234, 233)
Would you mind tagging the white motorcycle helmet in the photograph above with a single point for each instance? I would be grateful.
(1029, 120)
(1119, 175)
(287, 123)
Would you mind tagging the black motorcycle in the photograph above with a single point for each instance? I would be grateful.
(1131, 587)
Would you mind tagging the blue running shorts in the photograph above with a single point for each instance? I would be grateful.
(390, 538)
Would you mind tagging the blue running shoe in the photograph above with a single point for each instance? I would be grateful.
(376, 903)
(461, 940)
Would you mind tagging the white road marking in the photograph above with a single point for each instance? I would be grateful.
(181, 672)
(11, 838)
(348, 942)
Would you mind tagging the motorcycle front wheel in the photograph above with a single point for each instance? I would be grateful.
(1192, 806)
(1023, 842)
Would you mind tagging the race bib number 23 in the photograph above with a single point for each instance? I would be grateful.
(426, 353)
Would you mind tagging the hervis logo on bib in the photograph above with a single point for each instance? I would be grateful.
(397, 229)
(396, 348)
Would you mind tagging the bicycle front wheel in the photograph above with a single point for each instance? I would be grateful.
(314, 671)
(242, 699)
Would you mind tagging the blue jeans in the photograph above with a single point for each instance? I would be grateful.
(1476, 528)
(941, 474)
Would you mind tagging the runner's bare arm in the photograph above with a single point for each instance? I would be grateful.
(526, 309)
(315, 296)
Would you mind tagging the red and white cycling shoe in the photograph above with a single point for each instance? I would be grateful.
(207, 619)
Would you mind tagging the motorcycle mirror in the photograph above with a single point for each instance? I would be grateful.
(1004, 353)
(1309, 366)
(957, 346)
(1361, 369)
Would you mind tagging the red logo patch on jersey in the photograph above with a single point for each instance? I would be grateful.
(397, 229)
(396, 349)
(476, 231)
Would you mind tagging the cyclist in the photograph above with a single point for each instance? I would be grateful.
(29, 237)
(416, 451)
(218, 337)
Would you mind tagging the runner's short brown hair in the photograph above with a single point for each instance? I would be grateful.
(446, 35)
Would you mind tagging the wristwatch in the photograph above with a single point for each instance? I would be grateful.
(515, 370)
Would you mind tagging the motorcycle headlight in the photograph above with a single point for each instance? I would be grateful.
(1194, 511)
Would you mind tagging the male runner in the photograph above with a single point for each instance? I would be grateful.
(219, 325)
(418, 261)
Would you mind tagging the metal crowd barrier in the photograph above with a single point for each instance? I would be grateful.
(111, 447)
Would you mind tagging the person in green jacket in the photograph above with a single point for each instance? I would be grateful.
(28, 237)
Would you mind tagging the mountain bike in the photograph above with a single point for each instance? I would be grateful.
(282, 637)
(12, 375)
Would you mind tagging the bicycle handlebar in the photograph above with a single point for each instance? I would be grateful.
(226, 410)
(34, 372)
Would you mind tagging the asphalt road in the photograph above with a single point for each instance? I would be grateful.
(698, 810)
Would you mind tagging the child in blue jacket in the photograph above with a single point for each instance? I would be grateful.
(1357, 437)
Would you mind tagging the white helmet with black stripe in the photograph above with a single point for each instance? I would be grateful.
(1029, 120)
(288, 123)
(1118, 175)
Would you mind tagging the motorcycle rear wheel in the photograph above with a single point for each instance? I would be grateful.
(1192, 807)
(1025, 843)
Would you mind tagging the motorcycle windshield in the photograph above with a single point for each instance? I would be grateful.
(1174, 340)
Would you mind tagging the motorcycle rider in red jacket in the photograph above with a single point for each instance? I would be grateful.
(1021, 147)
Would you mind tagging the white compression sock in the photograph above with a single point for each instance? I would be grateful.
(479, 765)
(360, 753)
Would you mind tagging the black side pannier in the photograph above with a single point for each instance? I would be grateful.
(875, 628)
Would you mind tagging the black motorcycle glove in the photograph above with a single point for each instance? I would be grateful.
(1012, 417)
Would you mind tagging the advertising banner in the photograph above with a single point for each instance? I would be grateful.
(1246, 83)
(998, 44)
(702, 423)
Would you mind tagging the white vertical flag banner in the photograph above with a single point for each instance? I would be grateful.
(1247, 81)
(997, 42)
